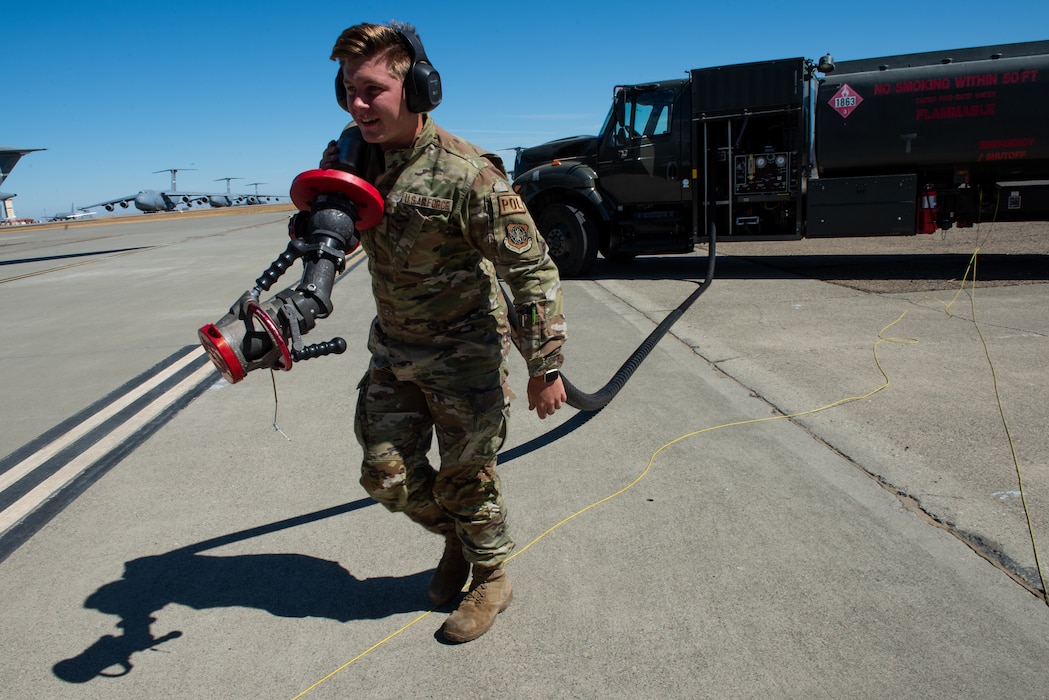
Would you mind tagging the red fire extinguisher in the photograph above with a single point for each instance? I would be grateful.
(928, 211)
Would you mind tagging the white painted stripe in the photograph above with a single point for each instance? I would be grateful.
(32, 500)
(68, 438)
(50, 486)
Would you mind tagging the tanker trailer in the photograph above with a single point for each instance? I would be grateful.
(917, 142)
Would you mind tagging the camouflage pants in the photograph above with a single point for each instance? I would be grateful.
(395, 424)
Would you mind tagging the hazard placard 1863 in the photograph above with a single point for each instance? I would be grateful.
(845, 100)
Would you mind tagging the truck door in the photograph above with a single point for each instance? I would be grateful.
(642, 157)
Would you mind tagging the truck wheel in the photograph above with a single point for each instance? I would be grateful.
(572, 238)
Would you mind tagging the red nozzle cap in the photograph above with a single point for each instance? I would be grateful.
(221, 354)
(306, 187)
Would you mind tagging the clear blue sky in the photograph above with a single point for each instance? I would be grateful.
(116, 90)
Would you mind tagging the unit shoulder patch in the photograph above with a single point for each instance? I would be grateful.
(518, 237)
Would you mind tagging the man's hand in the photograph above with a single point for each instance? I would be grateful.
(545, 397)
(331, 155)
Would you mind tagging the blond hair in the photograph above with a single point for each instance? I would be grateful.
(367, 40)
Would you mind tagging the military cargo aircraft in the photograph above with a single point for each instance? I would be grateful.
(73, 214)
(170, 200)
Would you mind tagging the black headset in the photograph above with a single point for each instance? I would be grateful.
(422, 83)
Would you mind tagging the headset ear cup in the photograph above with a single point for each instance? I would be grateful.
(340, 91)
(422, 83)
(424, 88)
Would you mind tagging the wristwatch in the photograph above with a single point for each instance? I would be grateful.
(551, 375)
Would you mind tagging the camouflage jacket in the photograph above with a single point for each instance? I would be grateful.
(452, 223)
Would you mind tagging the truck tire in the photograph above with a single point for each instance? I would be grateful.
(572, 238)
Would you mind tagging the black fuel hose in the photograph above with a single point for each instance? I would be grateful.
(603, 396)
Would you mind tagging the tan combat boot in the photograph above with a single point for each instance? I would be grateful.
(489, 595)
(451, 573)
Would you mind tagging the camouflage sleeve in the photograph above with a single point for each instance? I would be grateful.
(502, 228)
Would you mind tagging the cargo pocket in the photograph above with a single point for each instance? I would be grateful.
(359, 414)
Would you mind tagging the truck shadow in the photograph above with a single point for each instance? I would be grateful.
(941, 266)
(834, 268)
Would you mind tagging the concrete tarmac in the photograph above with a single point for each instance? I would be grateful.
(709, 533)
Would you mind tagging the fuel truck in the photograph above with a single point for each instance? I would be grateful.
(799, 148)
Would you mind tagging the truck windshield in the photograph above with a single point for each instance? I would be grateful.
(652, 112)
(643, 113)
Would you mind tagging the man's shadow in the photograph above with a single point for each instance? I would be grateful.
(286, 585)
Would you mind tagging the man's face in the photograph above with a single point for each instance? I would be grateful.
(376, 101)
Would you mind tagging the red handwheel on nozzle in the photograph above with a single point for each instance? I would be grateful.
(311, 183)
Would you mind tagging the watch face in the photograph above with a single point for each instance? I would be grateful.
(551, 376)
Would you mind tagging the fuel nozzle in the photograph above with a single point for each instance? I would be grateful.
(255, 334)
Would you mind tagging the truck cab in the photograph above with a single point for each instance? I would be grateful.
(623, 192)
(662, 172)
(644, 168)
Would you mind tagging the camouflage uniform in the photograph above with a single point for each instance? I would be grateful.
(440, 338)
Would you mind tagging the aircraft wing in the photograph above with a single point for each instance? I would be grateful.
(112, 204)
(265, 198)
(177, 199)
(239, 200)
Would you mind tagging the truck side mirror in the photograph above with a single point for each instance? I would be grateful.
(620, 110)
(619, 130)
